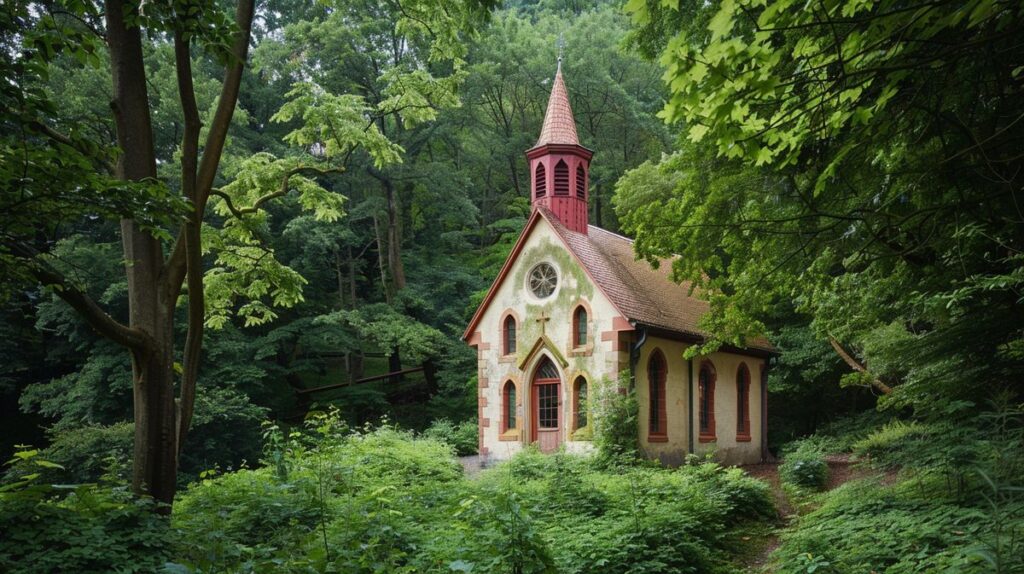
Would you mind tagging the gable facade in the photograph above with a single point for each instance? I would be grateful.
(544, 330)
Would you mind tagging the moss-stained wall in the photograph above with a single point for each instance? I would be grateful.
(594, 361)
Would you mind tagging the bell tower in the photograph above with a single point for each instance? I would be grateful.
(559, 165)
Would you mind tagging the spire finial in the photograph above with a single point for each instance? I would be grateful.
(560, 44)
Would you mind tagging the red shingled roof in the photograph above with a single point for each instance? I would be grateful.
(638, 291)
(559, 125)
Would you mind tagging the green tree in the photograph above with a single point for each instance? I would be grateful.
(161, 215)
(858, 159)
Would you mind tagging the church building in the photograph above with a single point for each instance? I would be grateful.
(572, 307)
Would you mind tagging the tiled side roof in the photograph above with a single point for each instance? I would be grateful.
(559, 126)
(640, 292)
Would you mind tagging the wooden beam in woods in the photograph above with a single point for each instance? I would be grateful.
(365, 380)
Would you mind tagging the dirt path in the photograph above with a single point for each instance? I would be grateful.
(841, 471)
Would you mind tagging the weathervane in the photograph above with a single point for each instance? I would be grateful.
(560, 44)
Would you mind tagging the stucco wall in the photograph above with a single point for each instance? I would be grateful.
(601, 357)
(727, 449)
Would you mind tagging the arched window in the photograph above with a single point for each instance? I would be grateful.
(656, 374)
(579, 327)
(743, 403)
(580, 405)
(508, 406)
(706, 401)
(540, 181)
(561, 178)
(508, 336)
(581, 182)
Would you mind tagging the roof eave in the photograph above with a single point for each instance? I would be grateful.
(698, 338)
(555, 148)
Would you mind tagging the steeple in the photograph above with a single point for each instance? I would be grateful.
(559, 165)
(559, 126)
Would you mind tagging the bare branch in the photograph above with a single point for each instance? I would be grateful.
(97, 318)
(856, 366)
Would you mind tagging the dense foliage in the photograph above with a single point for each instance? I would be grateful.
(857, 161)
(380, 500)
(933, 497)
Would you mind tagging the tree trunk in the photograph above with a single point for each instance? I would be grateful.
(155, 454)
(395, 267)
(355, 358)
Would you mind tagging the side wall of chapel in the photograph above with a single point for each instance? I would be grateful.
(728, 445)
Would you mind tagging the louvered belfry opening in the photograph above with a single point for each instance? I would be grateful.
(558, 148)
(561, 178)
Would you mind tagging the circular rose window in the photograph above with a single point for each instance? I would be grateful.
(543, 280)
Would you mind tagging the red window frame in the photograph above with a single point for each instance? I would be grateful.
(577, 406)
(508, 407)
(508, 343)
(657, 418)
(581, 182)
(561, 178)
(743, 403)
(706, 402)
(576, 323)
(540, 181)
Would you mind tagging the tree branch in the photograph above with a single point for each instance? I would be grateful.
(98, 319)
(192, 242)
(239, 212)
(856, 366)
(176, 266)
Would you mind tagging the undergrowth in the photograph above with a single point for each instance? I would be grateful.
(385, 501)
(946, 497)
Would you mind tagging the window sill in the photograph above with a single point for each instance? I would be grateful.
(509, 435)
(657, 438)
(507, 358)
(707, 438)
(742, 438)
(584, 351)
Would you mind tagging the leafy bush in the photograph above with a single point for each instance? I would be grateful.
(88, 528)
(84, 454)
(805, 467)
(886, 441)
(384, 501)
(866, 527)
(463, 437)
(615, 420)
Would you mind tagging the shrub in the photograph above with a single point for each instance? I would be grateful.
(746, 497)
(84, 454)
(243, 515)
(882, 444)
(866, 527)
(463, 437)
(615, 430)
(805, 467)
(88, 528)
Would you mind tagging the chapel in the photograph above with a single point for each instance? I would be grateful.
(572, 307)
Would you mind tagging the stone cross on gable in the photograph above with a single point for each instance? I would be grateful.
(543, 320)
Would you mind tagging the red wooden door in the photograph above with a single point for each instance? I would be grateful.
(546, 401)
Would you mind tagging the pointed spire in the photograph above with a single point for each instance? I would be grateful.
(559, 125)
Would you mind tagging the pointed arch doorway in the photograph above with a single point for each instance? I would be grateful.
(546, 407)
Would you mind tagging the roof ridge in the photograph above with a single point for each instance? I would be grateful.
(619, 235)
